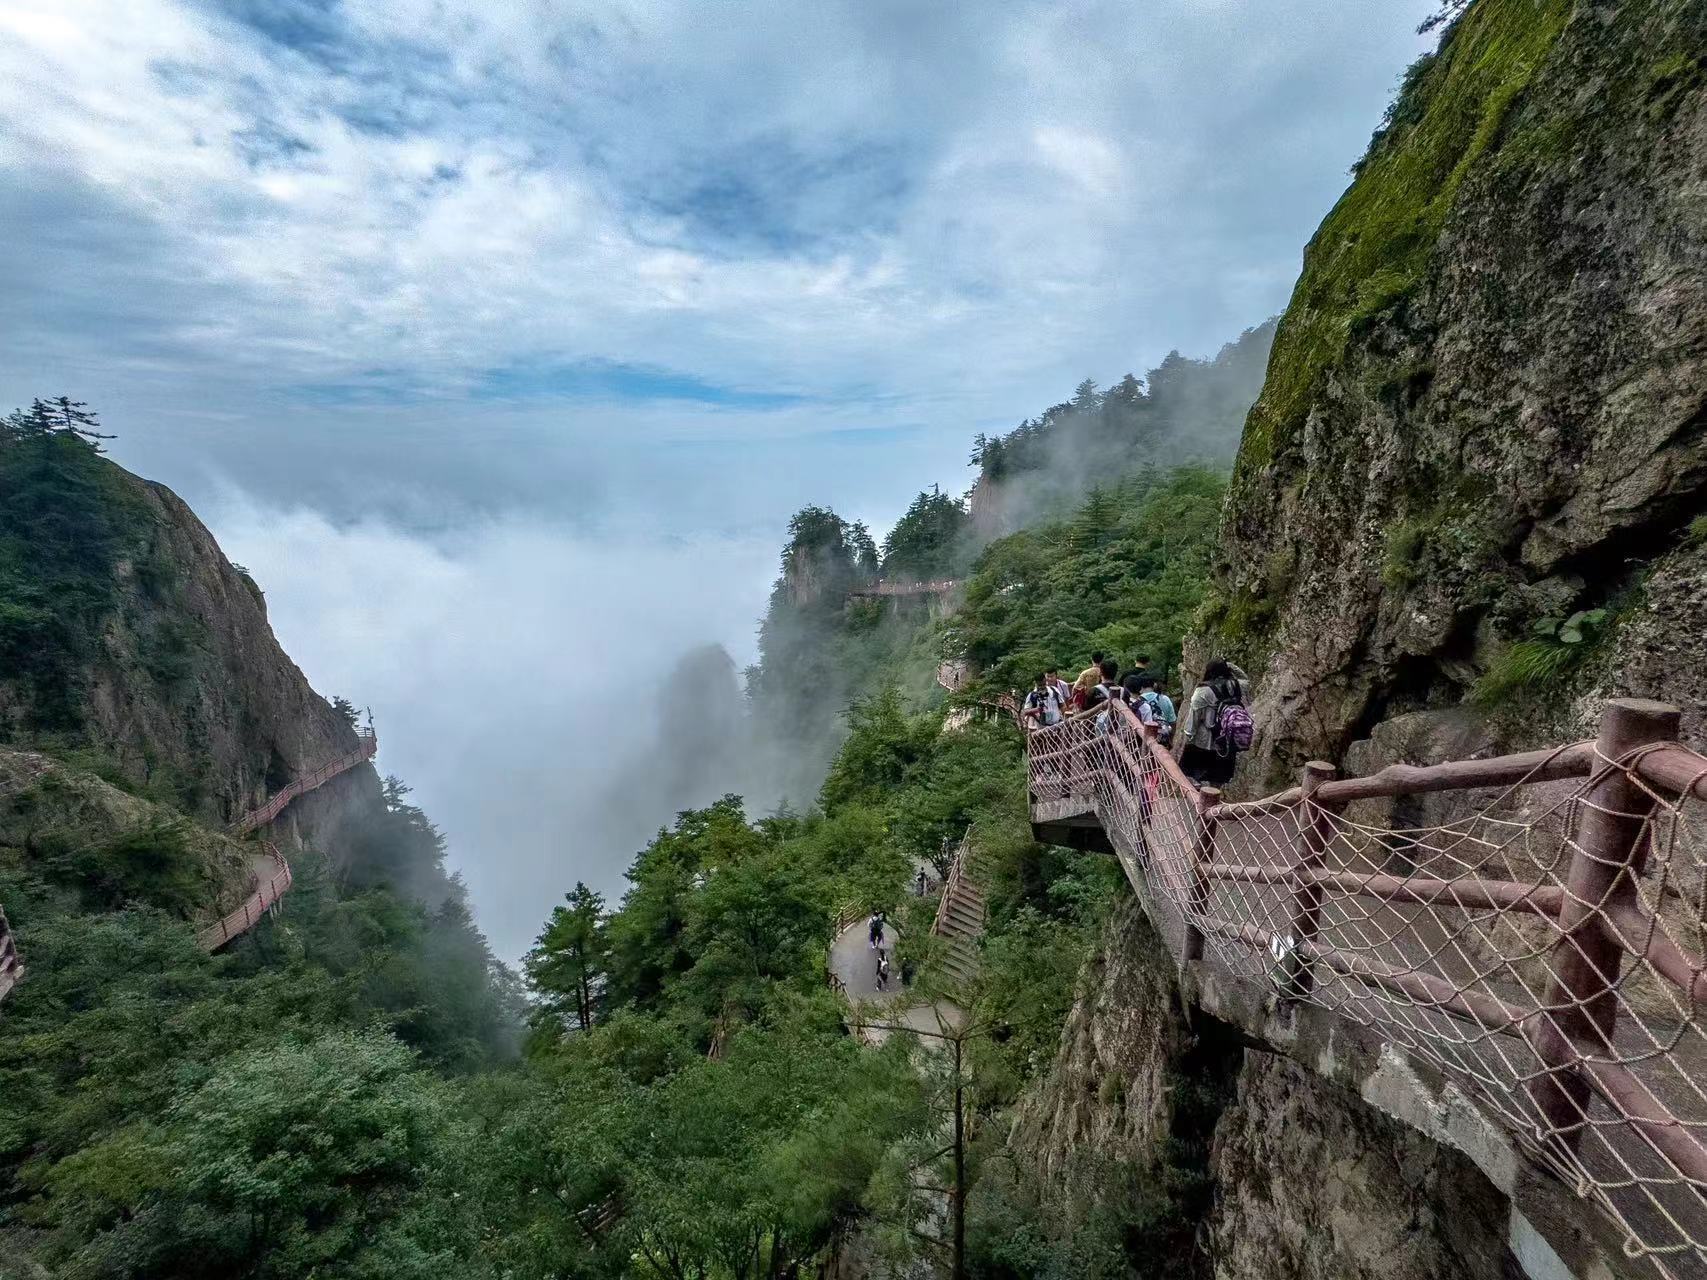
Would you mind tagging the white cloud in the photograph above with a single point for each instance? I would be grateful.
(513, 670)
(763, 196)
(285, 251)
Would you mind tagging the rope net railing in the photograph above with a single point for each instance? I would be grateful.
(1534, 931)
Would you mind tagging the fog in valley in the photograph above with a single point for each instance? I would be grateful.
(500, 347)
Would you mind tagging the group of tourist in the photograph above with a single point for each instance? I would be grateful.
(1217, 725)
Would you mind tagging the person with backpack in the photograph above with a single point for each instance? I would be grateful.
(1042, 705)
(1218, 725)
(1151, 705)
(1104, 693)
(1063, 690)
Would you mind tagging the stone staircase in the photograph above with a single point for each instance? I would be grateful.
(960, 915)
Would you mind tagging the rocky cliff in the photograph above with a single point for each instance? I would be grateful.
(1486, 407)
(1234, 1163)
(1468, 506)
(137, 645)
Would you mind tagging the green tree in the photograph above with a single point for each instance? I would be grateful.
(927, 541)
(288, 1161)
(568, 963)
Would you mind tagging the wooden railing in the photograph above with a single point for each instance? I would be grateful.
(1545, 951)
(260, 817)
(268, 890)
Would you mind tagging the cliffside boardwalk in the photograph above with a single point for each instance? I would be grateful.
(960, 914)
(1522, 982)
(939, 587)
(272, 878)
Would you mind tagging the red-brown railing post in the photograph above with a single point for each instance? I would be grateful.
(1581, 1006)
(1202, 854)
(1315, 833)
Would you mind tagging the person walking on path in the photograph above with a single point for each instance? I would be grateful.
(1088, 680)
(1042, 706)
(1217, 725)
(874, 931)
(1063, 690)
(1151, 705)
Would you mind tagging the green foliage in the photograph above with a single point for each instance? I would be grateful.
(1183, 410)
(66, 519)
(1373, 249)
(567, 965)
(1124, 576)
(152, 866)
(291, 1160)
(1556, 647)
(882, 747)
(928, 541)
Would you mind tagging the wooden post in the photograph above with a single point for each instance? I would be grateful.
(1581, 1007)
(1316, 832)
(1202, 854)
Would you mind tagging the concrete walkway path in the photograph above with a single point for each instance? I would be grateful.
(853, 961)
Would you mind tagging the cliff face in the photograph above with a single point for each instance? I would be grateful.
(170, 670)
(1311, 1183)
(1246, 1165)
(1487, 401)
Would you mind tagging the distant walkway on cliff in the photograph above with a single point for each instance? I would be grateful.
(937, 587)
(272, 877)
(271, 873)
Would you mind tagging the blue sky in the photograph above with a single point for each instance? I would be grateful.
(652, 220)
(499, 338)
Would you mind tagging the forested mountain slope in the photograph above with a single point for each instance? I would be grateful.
(277, 1109)
(127, 634)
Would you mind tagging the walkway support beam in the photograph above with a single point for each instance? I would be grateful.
(1315, 834)
(1577, 1016)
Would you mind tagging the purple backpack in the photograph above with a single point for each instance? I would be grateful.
(1234, 728)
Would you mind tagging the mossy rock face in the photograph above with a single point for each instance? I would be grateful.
(56, 819)
(1492, 374)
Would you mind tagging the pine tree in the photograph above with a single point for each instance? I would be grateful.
(59, 416)
(567, 965)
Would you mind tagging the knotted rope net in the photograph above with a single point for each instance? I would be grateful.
(1538, 942)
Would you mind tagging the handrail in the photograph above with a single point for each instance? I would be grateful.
(1547, 931)
(275, 805)
(951, 882)
(267, 892)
